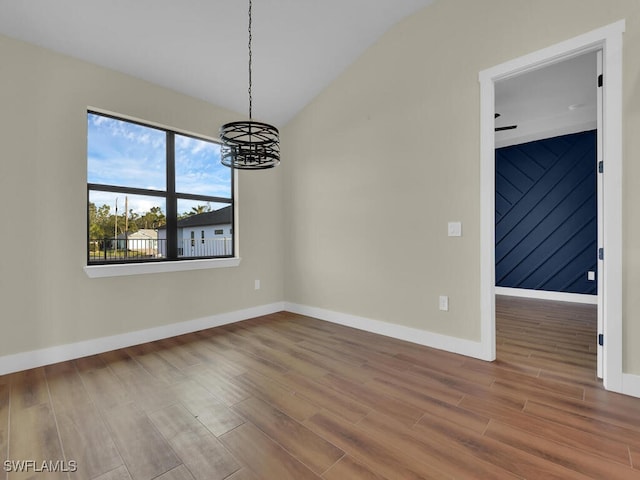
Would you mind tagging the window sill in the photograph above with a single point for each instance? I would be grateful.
(121, 270)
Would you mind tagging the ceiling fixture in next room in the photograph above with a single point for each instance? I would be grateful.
(508, 127)
(249, 145)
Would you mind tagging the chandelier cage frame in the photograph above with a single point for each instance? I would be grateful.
(249, 145)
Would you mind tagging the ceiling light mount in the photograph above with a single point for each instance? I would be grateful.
(249, 145)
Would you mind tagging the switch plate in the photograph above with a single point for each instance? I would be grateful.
(454, 229)
(256, 285)
(444, 303)
(591, 276)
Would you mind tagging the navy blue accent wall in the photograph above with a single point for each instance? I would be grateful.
(546, 214)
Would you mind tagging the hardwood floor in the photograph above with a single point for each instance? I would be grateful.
(290, 397)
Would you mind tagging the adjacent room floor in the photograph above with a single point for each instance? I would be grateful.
(290, 397)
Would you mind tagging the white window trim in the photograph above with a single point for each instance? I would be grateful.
(127, 269)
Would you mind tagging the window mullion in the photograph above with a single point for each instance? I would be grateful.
(172, 202)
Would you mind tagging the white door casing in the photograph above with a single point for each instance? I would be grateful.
(608, 39)
(600, 213)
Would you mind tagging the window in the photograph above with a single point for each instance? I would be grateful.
(149, 189)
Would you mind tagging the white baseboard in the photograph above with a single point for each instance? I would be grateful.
(47, 356)
(61, 353)
(631, 384)
(544, 295)
(409, 334)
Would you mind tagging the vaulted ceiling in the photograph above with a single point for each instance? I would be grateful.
(199, 47)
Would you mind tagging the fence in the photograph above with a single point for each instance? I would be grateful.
(205, 247)
(137, 249)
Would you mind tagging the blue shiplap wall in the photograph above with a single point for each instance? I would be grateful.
(546, 214)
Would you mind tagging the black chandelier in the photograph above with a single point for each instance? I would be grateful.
(249, 145)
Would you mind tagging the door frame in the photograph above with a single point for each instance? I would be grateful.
(600, 217)
(608, 39)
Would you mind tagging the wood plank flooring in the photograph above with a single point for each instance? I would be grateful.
(290, 397)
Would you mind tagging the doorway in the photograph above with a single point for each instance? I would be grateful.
(547, 194)
(609, 40)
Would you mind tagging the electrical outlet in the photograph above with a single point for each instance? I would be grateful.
(444, 303)
(454, 229)
(256, 285)
(591, 276)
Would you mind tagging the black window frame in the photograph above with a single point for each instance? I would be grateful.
(171, 197)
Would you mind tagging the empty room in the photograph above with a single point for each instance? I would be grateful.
(431, 272)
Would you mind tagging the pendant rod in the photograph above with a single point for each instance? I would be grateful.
(250, 58)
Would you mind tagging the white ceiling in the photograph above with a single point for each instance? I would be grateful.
(199, 47)
(551, 101)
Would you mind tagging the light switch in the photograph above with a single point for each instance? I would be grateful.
(443, 303)
(591, 276)
(455, 229)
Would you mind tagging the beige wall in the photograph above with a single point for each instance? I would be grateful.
(372, 171)
(45, 297)
(384, 157)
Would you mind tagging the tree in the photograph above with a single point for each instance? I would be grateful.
(95, 232)
(102, 223)
(99, 220)
(154, 218)
(197, 210)
(200, 209)
(133, 221)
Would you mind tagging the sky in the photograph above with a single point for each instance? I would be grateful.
(131, 155)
